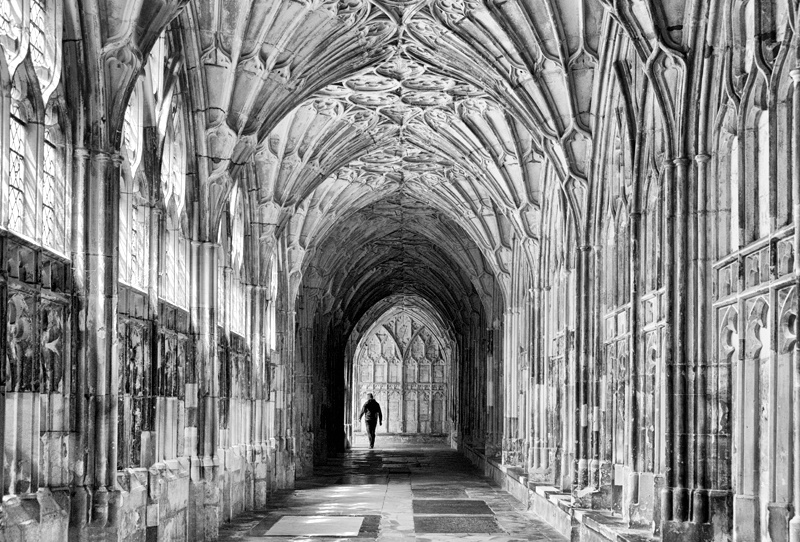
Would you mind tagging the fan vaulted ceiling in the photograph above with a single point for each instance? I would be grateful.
(458, 105)
(459, 108)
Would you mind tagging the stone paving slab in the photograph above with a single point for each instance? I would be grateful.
(439, 493)
(338, 526)
(451, 506)
(384, 487)
(456, 524)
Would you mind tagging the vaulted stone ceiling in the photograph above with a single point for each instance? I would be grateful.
(449, 114)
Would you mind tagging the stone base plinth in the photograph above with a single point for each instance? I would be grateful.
(176, 499)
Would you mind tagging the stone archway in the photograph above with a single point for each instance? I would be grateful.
(404, 359)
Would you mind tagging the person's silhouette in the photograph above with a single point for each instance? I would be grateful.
(371, 412)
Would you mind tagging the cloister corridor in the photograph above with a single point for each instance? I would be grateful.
(402, 492)
(555, 240)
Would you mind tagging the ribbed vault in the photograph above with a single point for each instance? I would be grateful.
(416, 168)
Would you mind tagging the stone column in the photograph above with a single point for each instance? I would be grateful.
(794, 524)
(539, 363)
(669, 334)
(681, 397)
(700, 496)
(536, 323)
(95, 230)
(202, 394)
(636, 484)
(153, 440)
(583, 353)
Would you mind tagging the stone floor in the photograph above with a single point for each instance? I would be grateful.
(423, 493)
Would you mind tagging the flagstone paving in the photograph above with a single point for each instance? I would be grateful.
(402, 493)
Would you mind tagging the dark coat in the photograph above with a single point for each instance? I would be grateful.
(371, 411)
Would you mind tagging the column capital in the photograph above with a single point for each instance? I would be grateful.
(99, 156)
(702, 158)
(209, 244)
(682, 161)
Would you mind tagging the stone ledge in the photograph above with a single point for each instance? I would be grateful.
(37, 516)
(555, 506)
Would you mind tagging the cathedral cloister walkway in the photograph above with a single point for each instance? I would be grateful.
(423, 493)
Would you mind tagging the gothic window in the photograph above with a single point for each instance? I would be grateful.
(763, 174)
(237, 297)
(5, 18)
(174, 270)
(155, 67)
(133, 216)
(653, 235)
(733, 194)
(16, 179)
(173, 191)
(54, 188)
(38, 42)
(273, 298)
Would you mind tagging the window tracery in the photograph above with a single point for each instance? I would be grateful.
(175, 254)
(173, 191)
(5, 18)
(54, 188)
(273, 299)
(16, 178)
(238, 306)
(133, 216)
(733, 194)
(38, 42)
(763, 174)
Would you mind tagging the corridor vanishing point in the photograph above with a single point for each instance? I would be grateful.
(557, 240)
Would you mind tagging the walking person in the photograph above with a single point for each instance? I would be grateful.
(371, 412)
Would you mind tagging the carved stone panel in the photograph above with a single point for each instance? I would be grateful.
(411, 359)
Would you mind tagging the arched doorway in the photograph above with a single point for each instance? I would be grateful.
(405, 360)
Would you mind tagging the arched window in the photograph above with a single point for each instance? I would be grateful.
(175, 247)
(238, 306)
(5, 18)
(55, 190)
(38, 42)
(16, 179)
(763, 174)
(273, 300)
(733, 194)
(175, 255)
(653, 234)
(133, 216)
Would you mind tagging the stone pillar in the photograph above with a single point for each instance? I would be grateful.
(700, 511)
(153, 441)
(260, 394)
(584, 355)
(537, 359)
(669, 334)
(794, 523)
(95, 230)
(681, 403)
(202, 395)
(690, 509)
(684, 501)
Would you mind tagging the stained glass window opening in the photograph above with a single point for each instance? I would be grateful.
(5, 18)
(50, 223)
(271, 312)
(38, 42)
(16, 178)
(173, 272)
